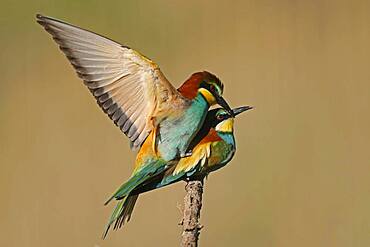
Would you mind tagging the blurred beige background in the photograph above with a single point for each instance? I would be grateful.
(301, 176)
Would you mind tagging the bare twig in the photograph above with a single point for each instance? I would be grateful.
(191, 213)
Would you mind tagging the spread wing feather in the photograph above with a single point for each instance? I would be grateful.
(129, 87)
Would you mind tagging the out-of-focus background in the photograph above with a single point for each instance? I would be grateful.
(301, 175)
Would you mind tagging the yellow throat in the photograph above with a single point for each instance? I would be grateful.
(208, 96)
(226, 125)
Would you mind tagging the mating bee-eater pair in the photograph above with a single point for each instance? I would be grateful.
(176, 134)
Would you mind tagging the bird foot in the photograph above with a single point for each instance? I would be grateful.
(187, 154)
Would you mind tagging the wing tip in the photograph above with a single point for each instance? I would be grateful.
(47, 21)
(42, 18)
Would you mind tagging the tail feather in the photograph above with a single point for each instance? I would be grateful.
(121, 213)
(139, 177)
(126, 201)
(127, 212)
(126, 188)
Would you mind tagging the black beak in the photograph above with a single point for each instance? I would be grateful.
(224, 104)
(241, 109)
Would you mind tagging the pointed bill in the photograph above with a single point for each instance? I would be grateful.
(241, 109)
(222, 102)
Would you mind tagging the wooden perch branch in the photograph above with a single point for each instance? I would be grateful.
(191, 213)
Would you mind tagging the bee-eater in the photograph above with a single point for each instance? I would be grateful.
(134, 93)
(212, 148)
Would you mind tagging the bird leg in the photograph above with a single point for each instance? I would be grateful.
(186, 154)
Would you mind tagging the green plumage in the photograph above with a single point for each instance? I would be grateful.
(176, 133)
(155, 172)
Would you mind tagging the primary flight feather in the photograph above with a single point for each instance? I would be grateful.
(133, 92)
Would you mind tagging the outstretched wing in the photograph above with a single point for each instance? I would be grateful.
(129, 87)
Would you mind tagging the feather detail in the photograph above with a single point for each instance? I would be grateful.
(199, 157)
(200, 154)
(128, 86)
(189, 88)
(212, 136)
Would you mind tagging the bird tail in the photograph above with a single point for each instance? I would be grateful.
(126, 195)
(121, 213)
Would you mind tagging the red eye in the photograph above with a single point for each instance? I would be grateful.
(219, 117)
(212, 87)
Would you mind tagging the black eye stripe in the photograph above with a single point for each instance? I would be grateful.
(212, 86)
(222, 116)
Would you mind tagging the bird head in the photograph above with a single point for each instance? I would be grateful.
(209, 86)
(220, 120)
(223, 121)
